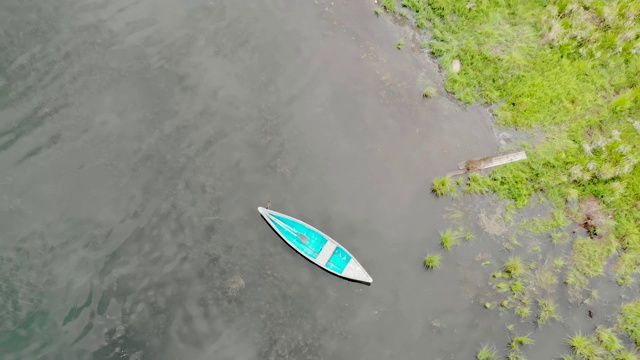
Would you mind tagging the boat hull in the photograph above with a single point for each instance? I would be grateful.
(316, 246)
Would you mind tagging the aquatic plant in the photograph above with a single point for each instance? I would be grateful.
(548, 312)
(486, 353)
(590, 255)
(584, 347)
(514, 267)
(443, 185)
(400, 44)
(567, 357)
(518, 341)
(537, 225)
(469, 236)
(517, 287)
(449, 239)
(523, 311)
(429, 91)
(558, 264)
(626, 355)
(389, 5)
(515, 355)
(608, 339)
(432, 261)
(629, 320)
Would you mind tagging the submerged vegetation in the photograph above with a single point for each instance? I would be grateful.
(429, 91)
(569, 70)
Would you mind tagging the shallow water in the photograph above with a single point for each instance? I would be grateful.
(137, 140)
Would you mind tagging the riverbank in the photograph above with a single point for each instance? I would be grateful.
(569, 71)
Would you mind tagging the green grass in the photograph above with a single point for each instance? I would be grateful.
(449, 239)
(378, 11)
(478, 184)
(629, 320)
(432, 261)
(469, 236)
(404, 13)
(424, 44)
(514, 267)
(429, 91)
(400, 44)
(486, 353)
(443, 185)
(389, 5)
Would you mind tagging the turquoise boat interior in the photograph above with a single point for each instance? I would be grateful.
(310, 242)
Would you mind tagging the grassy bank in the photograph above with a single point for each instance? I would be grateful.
(570, 69)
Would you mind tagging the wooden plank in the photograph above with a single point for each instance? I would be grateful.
(325, 253)
(456, 173)
(492, 161)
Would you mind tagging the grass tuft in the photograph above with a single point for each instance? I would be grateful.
(478, 184)
(443, 185)
(389, 5)
(515, 355)
(518, 341)
(523, 311)
(548, 311)
(584, 347)
(629, 320)
(608, 339)
(449, 239)
(486, 353)
(400, 44)
(514, 267)
(378, 11)
(432, 261)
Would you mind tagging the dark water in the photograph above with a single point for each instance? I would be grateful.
(137, 139)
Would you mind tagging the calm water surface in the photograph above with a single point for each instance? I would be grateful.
(137, 139)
